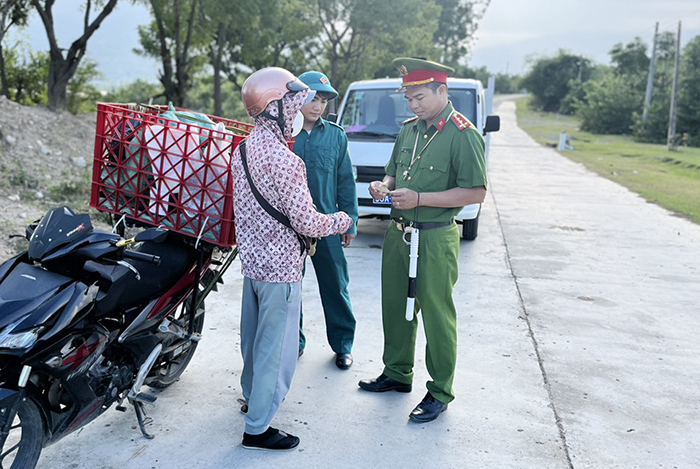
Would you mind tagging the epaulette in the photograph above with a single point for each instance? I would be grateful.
(460, 121)
(336, 125)
(410, 119)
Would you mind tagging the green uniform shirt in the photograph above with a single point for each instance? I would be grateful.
(453, 157)
(329, 169)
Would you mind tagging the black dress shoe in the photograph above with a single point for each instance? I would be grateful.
(343, 360)
(383, 383)
(429, 409)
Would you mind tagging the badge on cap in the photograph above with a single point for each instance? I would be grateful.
(323, 79)
(415, 71)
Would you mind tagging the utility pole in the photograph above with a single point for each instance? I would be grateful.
(671, 140)
(650, 80)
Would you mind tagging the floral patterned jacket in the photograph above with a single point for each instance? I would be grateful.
(270, 251)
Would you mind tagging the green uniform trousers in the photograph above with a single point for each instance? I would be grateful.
(435, 278)
(332, 275)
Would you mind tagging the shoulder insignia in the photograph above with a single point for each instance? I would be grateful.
(460, 121)
(335, 124)
(411, 119)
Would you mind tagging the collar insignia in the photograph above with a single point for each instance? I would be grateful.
(441, 123)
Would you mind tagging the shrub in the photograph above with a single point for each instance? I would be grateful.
(608, 106)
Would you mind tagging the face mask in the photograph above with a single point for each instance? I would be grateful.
(298, 124)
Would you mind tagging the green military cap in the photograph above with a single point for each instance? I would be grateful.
(416, 72)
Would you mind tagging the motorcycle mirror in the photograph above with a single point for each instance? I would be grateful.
(156, 235)
(29, 231)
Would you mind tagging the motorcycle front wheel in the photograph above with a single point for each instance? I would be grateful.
(172, 364)
(22, 448)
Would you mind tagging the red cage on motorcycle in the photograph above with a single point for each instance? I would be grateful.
(167, 167)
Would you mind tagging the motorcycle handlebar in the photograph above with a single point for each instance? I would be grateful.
(142, 256)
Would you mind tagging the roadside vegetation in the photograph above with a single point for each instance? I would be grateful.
(207, 48)
(670, 179)
(609, 99)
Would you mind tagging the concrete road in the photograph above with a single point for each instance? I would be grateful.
(578, 348)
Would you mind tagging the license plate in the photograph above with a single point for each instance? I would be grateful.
(385, 201)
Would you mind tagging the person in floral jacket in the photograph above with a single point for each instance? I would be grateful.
(271, 257)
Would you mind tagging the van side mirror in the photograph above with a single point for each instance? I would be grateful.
(493, 124)
(332, 117)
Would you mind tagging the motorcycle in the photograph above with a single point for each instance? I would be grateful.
(87, 318)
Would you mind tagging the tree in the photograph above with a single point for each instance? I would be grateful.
(456, 28)
(63, 67)
(609, 105)
(655, 128)
(630, 60)
(276, 33)
(27, 75)
(689, 93)
(12, 13)
(229, 25)
(176, 36)
(139, 91)
(81, 94)
(549, 80)
(465, 71)
(360, 38)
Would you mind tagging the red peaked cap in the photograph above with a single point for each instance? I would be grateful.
(421, 72)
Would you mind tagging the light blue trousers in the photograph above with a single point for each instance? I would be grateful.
(270, 346)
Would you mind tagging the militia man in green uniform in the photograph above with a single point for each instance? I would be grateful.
(436, 168)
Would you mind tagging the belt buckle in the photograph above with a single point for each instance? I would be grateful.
(404, 227)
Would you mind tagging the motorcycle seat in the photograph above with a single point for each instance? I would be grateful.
(125, 291)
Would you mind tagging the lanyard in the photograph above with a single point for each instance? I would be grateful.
(415, 157)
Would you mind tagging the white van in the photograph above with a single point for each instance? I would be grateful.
(371, 114)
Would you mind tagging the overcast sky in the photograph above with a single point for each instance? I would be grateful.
(510, 31)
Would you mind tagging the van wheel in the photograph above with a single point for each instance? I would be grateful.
(470, 228)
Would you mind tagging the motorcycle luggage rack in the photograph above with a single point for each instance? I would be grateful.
(159, 167)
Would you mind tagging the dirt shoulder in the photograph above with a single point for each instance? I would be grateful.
(45, 161)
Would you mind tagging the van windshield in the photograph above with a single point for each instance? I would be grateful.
(381, 112)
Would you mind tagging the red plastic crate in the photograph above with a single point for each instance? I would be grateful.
(164, 172)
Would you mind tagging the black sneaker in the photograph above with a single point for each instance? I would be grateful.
(271, 440)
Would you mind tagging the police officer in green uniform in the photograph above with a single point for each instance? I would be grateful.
(323, 146)
(436, 168)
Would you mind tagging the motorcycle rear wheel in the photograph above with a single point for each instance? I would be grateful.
(172, 364)
(23, 445)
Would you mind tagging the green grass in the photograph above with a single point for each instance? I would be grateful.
(670, 179)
